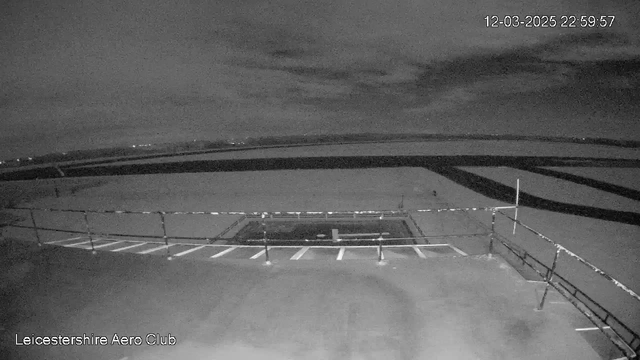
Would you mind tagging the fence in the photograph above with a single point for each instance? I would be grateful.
(623, 337)
(620, 334)
(263, 216)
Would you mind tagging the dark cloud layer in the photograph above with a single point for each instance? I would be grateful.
(80, 74)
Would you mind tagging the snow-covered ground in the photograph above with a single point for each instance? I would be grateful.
(565, 191)
(627, 177)
(609, 245)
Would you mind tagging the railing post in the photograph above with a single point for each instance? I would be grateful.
(493, 231)
(549, 277)
(517, 203)
(380, 239)
(264, 240)
(164, 234)
(35, 228)
(86, 223)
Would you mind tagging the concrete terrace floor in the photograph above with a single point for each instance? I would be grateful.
(444, 308)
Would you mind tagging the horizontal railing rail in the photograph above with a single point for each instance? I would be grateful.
(374, 238)
(265, 213)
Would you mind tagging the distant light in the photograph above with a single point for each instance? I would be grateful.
(18, 160)
(133, 146)
(30, 158)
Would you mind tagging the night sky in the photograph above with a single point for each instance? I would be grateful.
(88, 74)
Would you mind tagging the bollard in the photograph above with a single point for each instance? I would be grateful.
(164, 234)
(86, 223)
(548, 279)
(35, 228)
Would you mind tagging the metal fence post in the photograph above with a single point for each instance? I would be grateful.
(493, 231)
(164, 234)
(549, 276)
(264, 240)
(86, 223)
(35, 228)
(517, 203)
(380, 240)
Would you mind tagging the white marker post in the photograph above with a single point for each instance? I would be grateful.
(517, 202)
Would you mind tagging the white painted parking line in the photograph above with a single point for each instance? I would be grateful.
(299, 254)
(76, 244)
(128, 247)
(148, 251)
(419, 252)
(188, 251)
(592, 328)
(258, 254)
(107, 244)
(458, 250)
(223, 252)
(341, 253)
(59, 241)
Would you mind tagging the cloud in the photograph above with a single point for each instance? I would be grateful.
(446, 101)
(591, 53)
(138, 64)
(475, 89)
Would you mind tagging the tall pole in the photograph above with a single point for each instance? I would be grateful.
(517, 202)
